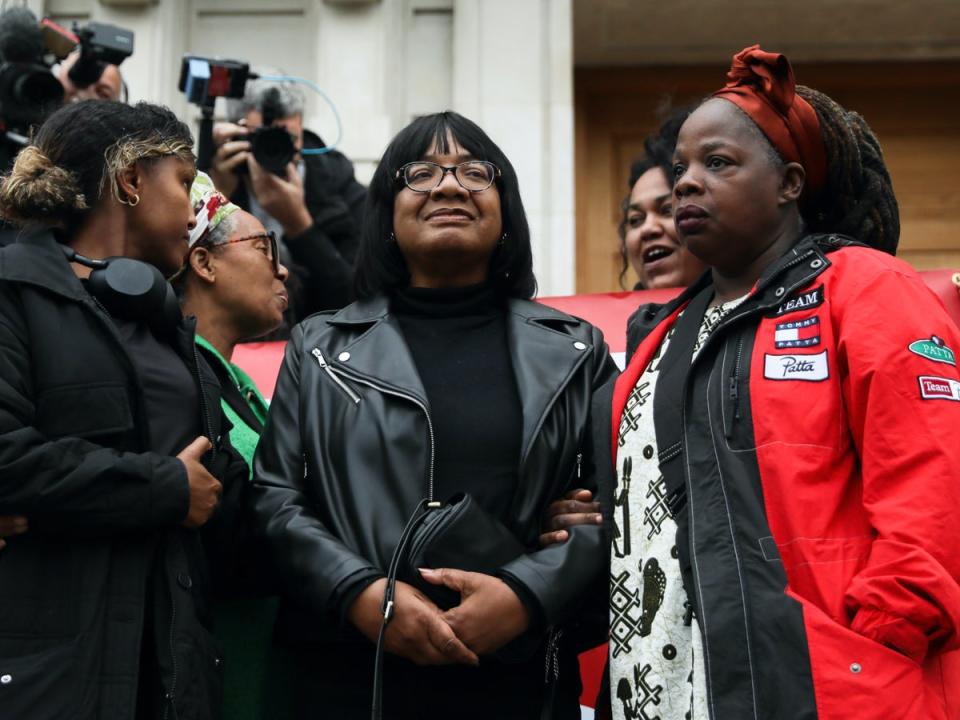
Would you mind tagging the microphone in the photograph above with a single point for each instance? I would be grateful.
(20, 38)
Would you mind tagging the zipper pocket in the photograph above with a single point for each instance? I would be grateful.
(733, 389)
(336, 378)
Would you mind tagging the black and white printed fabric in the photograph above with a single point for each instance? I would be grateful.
(656, 664)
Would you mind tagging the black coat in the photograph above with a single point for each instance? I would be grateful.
(346, 456)
(323, 256)
(105, 555)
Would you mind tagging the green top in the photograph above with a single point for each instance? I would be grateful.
(243, 437)
(255, 680)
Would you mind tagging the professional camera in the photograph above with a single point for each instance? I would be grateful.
(203, 80)
(100, 45)
(272, 146)
(28, 90)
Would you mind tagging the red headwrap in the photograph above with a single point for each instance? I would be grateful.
(762, 85)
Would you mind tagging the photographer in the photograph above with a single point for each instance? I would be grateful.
(109, 86)
(315, 207)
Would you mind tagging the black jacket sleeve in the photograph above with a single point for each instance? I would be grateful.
(315, 566)
(69, 484)
(560, 575)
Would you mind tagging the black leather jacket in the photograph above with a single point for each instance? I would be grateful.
(347, 453)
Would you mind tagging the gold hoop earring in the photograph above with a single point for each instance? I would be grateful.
(131, 203)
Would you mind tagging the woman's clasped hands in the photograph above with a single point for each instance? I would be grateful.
(488, 617)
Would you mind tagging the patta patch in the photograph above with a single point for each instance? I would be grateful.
(801, 301)
(810, 368)
(797, 334)
(939, 388)
(933, 349)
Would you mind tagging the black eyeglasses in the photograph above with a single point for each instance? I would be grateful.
(424, 177)
(270, 250)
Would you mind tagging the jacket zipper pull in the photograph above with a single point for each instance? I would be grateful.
(687, 613)
(552, 656)
(735, 396)
(321, 361)
(579, 464)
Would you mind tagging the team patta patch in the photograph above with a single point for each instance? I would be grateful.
(933, 349)
(939, 388)
(797, 334)
(801, 301)
(811, 368)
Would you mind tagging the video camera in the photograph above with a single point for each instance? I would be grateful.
(203, 80)
(29, 92)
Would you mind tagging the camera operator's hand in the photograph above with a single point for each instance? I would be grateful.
(232, 151)
(281, 197)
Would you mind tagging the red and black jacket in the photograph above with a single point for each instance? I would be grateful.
(818, 501)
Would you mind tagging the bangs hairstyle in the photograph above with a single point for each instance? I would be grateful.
(380, 265)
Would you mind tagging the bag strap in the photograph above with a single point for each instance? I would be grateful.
(389, 592)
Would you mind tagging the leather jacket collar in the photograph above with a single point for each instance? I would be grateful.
(543, 352)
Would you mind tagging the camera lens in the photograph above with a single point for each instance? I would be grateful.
(273, 148)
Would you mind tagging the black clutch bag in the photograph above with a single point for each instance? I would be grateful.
(460, 535)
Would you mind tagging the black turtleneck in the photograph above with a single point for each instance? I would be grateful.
(458, 339)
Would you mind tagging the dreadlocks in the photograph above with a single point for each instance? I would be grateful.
(857, 198)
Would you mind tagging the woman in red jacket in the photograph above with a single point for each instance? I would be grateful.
(785, 540)
(792, 419)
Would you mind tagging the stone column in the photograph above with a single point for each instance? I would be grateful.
(513, 75)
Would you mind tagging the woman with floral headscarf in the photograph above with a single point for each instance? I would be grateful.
(233, 283)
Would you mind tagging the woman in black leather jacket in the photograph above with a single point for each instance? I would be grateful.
(444, 378)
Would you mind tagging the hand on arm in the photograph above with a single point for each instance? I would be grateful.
(11, 525)
(577, 507)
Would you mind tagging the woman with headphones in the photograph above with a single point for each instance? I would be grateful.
(112, 440)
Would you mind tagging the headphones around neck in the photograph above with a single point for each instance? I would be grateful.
(131, 290)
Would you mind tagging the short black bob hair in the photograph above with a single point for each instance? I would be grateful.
(380, 265)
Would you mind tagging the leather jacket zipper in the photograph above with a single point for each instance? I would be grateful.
(321, 361)
(551, 669)
(334, 375)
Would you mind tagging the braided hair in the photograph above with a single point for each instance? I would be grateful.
(73, 161)
(857, 198)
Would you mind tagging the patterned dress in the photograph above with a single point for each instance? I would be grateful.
(656, 664)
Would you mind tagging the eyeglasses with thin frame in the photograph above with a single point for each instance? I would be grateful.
(423, 177)
(273, 253)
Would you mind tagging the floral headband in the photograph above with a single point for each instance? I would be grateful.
(210, 205)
